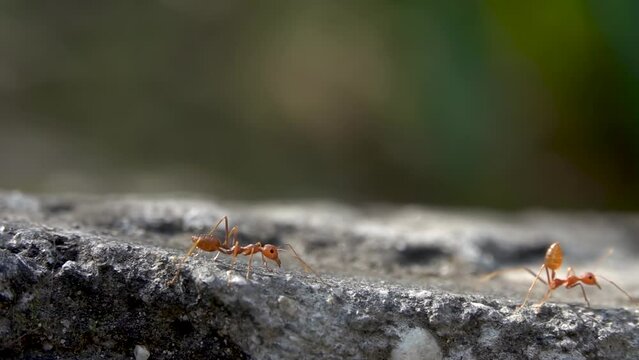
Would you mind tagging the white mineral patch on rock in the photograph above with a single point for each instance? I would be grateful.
(416, 344)
(141, 352)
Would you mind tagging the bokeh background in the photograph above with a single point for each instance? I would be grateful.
(491, 104)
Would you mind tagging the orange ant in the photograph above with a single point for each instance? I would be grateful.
(268, 252)
(552, 262)
(211, 242)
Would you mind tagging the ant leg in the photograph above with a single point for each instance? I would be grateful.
(496, 273)
(234, 232)
(533, 285)
(264, 262)
(550, 275)
(181, 264)
(546, 297)
(227, 233)
(571, 272)
(231, 270)
(233, 261)
(234, 251)
(583, 291)
(250, 266)
(226, 225)
(550, 286)
(257, 247)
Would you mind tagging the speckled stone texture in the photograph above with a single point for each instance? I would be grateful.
(87, 277)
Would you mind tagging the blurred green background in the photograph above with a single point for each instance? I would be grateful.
(496, 103)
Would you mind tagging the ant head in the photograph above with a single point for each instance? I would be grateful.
(590, 279)
(195, 238)
(270, 251)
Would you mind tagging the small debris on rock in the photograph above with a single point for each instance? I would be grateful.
(235, 279)
(141, 352)
(416, 344)
(287, 305)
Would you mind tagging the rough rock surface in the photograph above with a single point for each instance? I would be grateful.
(87, 277)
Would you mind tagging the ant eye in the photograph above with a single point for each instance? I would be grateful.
(272, 251)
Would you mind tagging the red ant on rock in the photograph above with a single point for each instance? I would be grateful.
(552, 262)
(211, 242)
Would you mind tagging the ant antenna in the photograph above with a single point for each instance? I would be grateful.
(601, 259)
(306, 267)
(618, 287)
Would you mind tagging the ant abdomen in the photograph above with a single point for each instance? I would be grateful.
(554, 257)
(207, 242)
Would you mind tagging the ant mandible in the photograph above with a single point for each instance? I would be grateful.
(211, 242)
(552, 262)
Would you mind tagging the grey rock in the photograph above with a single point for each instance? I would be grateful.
(88, 277)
